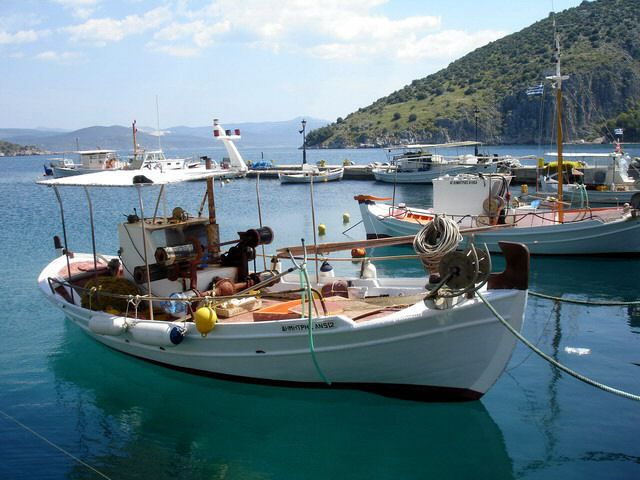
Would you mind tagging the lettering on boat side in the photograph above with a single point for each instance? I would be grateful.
(463, 182)
(303, 326)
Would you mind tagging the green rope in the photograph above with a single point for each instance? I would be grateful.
(554, 362)
(306, 286)
(583, 302)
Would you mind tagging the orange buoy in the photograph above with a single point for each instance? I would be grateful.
(358, 252)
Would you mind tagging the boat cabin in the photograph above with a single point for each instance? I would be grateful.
(98, 159)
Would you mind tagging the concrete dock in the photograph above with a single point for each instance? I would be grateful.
(363, 172)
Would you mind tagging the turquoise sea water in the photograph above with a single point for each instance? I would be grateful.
(130, 420)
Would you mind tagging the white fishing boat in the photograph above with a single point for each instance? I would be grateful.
(173, 297)
(488, 213)
(608, 181)
(420, 163)
(90, 161)
(232, 166)
(311, 173)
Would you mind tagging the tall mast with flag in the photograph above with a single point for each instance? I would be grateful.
(557, 79)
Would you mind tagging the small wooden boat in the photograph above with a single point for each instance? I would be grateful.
(311, 173)
(172, 296)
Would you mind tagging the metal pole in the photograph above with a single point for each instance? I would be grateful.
(475, 113)
(144, 247)
(304, 141)
(313, 221)
(93, 233)
(64, 235)
(264, 258)
(213, 233)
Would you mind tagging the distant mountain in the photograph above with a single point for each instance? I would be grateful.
(600, 51)
(261, 134)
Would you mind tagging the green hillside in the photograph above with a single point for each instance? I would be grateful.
(600, 43)
(11, 149)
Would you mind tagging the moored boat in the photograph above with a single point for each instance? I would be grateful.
(609, 184)
(420, 163)
(311, 173)
(90, 161)
(489, 214)
(160, 297)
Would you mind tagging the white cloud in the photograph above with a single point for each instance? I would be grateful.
(101, 31)
(332, 30)
(22, 36)
(80, 8)
(173, 50)
(446, 44)
(199, 32)
(58, 57)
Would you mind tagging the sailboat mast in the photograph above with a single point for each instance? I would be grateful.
(557, 79)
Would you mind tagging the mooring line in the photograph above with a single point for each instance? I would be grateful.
(46, 440)
(603, 303)
(554, 362)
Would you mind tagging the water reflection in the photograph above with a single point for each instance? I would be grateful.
(137, 420)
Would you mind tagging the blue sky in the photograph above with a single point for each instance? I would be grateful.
(76, 63)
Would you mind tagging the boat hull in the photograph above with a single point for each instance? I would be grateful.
(573, 238)
(417, 352)
(427, 176)
(298, 177)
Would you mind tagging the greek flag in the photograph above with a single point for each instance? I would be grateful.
(537, 90)
(618, 131)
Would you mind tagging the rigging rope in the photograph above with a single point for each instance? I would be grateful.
(583, 302)
(46, 440)
(553, 361)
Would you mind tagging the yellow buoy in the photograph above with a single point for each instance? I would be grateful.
(346, 218)
(322, 229)
(205, 318)
(524, 188)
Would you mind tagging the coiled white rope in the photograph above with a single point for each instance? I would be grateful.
(553, 361)
(435, 240)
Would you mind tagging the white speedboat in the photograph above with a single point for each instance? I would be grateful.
(418, 163)
(311, 173)
(172, 297)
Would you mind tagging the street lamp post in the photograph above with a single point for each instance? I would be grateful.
(476, 111)
(304, 141)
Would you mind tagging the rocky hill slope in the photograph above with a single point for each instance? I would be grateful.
(600, 44)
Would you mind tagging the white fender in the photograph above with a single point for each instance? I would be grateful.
(107, 325)
(156, 333)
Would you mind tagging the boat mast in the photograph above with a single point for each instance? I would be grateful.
(557, 78)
